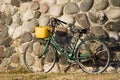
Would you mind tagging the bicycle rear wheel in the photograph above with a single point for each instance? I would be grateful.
(93, 56)
(34, 59)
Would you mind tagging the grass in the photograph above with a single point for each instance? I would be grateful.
(23, 74)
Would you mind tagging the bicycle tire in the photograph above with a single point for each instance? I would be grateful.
(44, 63)
(98, 61)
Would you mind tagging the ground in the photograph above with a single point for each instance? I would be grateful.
(63, 76)
(23, 74)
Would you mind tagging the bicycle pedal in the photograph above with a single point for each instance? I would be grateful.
(67, 68)
(41, 56)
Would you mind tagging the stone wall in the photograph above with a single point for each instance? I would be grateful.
(19, 17)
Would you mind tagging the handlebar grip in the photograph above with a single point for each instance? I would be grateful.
(57, 20)
(62, 21)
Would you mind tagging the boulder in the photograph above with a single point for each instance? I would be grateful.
(67, 18)
(113, 26)
(35, 5)
(56, 10)
(7, 42)
(8, 20)
(37, 14)
(28, 15)
(114, 35)
(44, 8)
(43, 20)
(101, 4)
(113, 13)
(86, 5)
(71, 8)
(100, 18)
(15, 3)
(98, 31)
(82, 20)
(62, 2)
(15, 59)
(16, 33)
(25, 0)
(115, 2)
(1, 51)
(29, 26)
(26, 37)
(52, 2)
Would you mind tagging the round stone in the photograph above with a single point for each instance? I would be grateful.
(43, 20)
(113, 13)
(7, 42)
(6, 1)
(35, 5)
(115, 2)
(118, 55)
(99, 32)
(6, 9)
(51, 1)
(28, 15)
(100, 18)
(86, 5)
(1, 38)
(4, 30)
(8, 20)
(15, 3)
(37, 14)
(25, 0)
(71, 8)
(67, 18)
(44, 8)
(75, 0)
(9, 51)
(113, 26)
(26, 37)
(5, 63)
(30, 60)
(82, 20)
(56, 10)
(14, 59)
(101, 4)
(11, 30)
(61, 2)
(1, 51)
(24, 7)
(2, 17)
(114, 35)
(63, 60)
(36, 48)
(29, 26)
(23, 47)
(17, 32)
(16, 19)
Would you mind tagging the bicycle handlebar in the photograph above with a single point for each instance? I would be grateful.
(54, 22)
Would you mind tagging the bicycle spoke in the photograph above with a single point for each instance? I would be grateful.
(99, 59)
(36, 61)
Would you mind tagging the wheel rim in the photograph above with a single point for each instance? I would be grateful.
(36, 64)
(100, 55)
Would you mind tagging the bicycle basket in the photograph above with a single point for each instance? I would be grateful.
(43, 31)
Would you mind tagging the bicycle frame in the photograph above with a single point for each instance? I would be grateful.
(63, 51)
(59, 48)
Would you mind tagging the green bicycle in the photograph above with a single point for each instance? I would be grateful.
(91, 54)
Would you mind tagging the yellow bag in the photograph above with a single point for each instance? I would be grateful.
(43, 31)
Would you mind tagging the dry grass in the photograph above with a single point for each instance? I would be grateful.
(23, 74)
(53, 76)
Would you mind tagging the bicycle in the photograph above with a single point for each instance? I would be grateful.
(92, 54)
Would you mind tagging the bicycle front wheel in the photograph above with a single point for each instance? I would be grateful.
(35, 60)
(93, 56)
